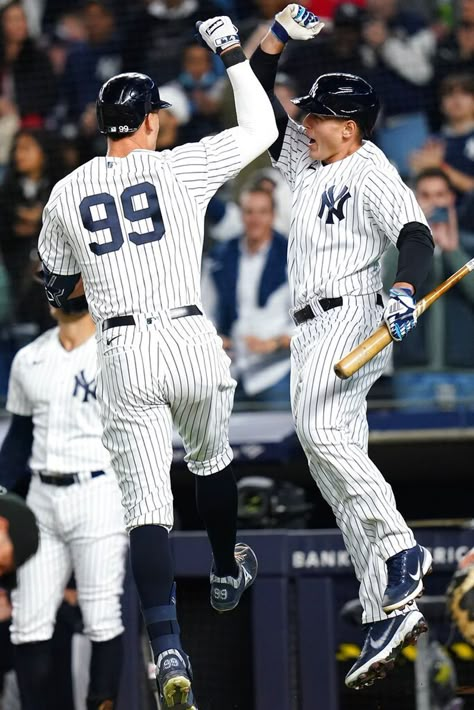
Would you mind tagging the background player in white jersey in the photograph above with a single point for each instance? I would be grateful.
(131, 224)
(349, 204)
(56, 429)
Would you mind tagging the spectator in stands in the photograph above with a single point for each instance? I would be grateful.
(90, 63)
(253, 300)
(258, 22)
(339, 50)
(159, 33)
(27, 81)
(399, 47)
(172, 118)
(202, 87)
(225, 216)
(453, 149)
(455, 53)
(34, 168)
(443, 336)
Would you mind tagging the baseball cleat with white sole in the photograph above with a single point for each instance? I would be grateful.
(384, 642)
(405, 573)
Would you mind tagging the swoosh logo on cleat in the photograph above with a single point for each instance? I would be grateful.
(415, 577)
(382, 640)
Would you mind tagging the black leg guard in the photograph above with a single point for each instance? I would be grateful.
(105, 670)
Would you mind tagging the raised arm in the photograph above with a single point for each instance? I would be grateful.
(293, 22)
(256, 129)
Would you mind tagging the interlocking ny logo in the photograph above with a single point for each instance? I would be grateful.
(334, 204)
(83, 387)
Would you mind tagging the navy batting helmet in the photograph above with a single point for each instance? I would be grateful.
(343, 96)
(125, 100)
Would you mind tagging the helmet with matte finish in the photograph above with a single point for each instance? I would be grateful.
(342, 96)
(125, 100)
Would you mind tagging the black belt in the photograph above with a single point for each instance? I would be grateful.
(66, 479)
(326, 304)
(180, 312)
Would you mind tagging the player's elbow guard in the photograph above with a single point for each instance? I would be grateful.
(58, 287)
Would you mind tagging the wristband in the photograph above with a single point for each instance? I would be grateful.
(235, 55)
(280, 32)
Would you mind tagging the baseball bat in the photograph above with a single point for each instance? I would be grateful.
(380, 338)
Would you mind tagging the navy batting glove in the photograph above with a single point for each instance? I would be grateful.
(400, 313)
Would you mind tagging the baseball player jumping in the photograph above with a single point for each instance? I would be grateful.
(349, 204)
(131, 223)
(74, 494)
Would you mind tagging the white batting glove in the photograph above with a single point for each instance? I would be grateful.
(297, 22)
(218, 33)
(400, 313)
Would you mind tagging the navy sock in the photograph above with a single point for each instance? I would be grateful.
(216, 500)
(152, 568)
(34, 672)
(105, 671)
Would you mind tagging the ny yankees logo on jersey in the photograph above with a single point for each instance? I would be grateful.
(83, 387)
(334, 204)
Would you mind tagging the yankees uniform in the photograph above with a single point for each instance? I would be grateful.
(349, 204)
(73, 493)
(132, 224)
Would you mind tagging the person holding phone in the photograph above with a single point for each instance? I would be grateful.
(441, 339)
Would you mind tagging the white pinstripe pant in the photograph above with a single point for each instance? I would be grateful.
(81, 529)
(331, 422)
(152, 376)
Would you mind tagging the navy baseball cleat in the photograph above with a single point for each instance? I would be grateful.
(226, 591)
(385, 639)
(173, 676)
(405, 577)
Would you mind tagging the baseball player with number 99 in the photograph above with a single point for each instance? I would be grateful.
(131, 223)
(349, 205)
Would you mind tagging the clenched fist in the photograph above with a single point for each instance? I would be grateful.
(219, 33)
(297, 22)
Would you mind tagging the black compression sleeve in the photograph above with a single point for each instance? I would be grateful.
(16, 450)
(415, 245)
(265, 68)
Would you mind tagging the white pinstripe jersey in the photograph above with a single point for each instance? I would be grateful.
(57, 388)
(134, 226)
(344, 216)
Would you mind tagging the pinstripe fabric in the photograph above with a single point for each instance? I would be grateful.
(330, 258)
(150, 377)
(344, 216)
(58, 388)
(81, 526)
(330, 418)
(145, 278)
(81, 529)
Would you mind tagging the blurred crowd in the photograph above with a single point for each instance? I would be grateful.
(419, 55)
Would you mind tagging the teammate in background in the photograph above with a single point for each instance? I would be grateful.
(18, 536)
(56, 428)
(349, 204)
(131, 223)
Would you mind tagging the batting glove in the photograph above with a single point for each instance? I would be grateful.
(297, 22)
(400, 313)
(218, 33)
